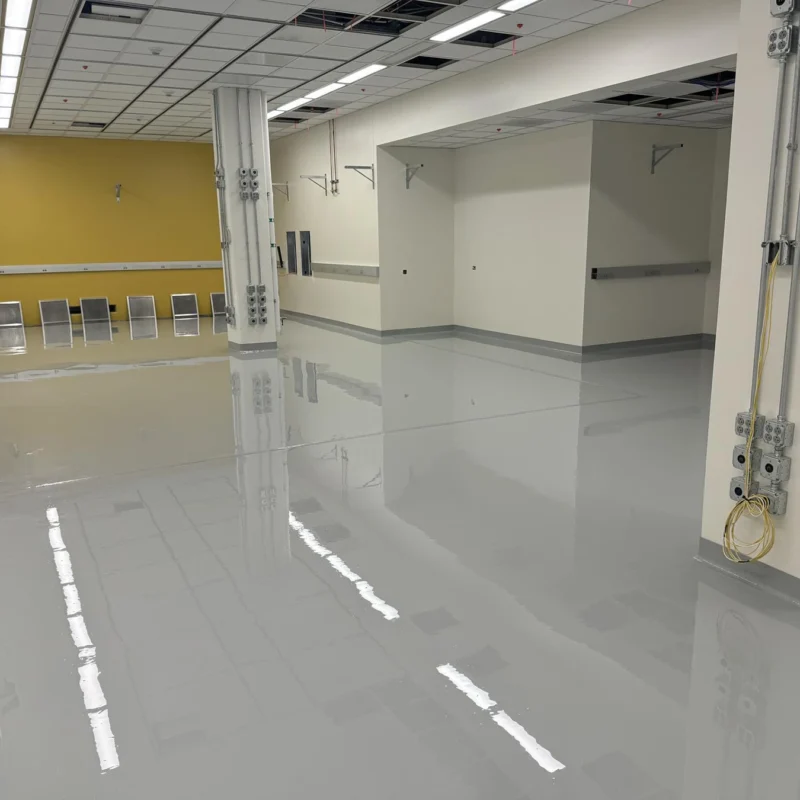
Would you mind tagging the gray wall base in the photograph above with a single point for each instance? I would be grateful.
(568, 352)
(756, 574)
(256, 347)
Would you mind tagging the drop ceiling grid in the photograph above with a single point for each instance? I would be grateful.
(155, 76)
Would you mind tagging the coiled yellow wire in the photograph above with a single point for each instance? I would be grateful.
(736, 549)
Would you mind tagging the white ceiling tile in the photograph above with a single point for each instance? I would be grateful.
(455, 51)
(178, 19)
(96, 42)
(510, 23)
(264, 9)
(423, 31)
(265, 59)
(335, 52)
(79, 54)
(50, 22)
(360, 40)
(298, 74)
(130, 69)
(98, 27)
(607, 12)
(40, 63)
(315, 64)
(156, 49)
(144, 60)
(35, 72)
(197, 64)
(248, 69)
(245, 27)
(45, 37)
(170, 35)
(177, 83)
(95, 68)
(276, 83)
(41, 50)
(562, 9)
(198, 76)
(227, 40)
(211, 54)
(275, 45)
(61, 7)
(562, 29)
(294, 33)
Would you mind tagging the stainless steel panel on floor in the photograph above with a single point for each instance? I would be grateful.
(427, 569)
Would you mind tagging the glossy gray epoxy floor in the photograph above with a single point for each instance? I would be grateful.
(429, 569)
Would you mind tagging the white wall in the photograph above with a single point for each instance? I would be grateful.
(416, 235)
(520, 219)
(636, 218)
(717, 229)
(741, 256)
(344, 228)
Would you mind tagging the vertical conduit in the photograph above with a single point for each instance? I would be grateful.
(241, 161)
(255, 202)
(223, 208)
(273, 256)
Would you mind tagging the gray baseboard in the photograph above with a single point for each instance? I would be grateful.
(756, 574)
(255, 347)
(568, 352)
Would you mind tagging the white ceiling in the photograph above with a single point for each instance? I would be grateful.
(715, 113)
(153, 79)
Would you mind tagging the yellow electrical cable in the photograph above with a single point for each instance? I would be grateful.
(736, 549)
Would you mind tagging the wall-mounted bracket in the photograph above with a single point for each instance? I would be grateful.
(315, 179)
(660, 152)
(362, 171)
(283, 188)
(118, 190)
(411, 171)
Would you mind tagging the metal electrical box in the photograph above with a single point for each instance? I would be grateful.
(305, 251)
(779, 8)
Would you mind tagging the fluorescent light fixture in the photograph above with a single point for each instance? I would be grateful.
(6, 100)
(18, 13)
(362, 73)
(5, 114)
(331, 87)
(301, 101)
(9, 66)
(273, 114)
(466, 26)
(8, 85)
(14, 41)
(3, 123)
(516, 5)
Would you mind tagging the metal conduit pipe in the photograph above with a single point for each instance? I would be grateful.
(223, 209)
(769, 216)
(241, 161)
(273, 255)
(255, 202)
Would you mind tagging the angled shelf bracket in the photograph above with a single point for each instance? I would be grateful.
(362, 171)
(411, 171)
(118, 191)
(318, 180)
(283, 188)
(660, 152)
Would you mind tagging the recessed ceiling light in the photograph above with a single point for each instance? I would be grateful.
(9, 66)
(18, 13)
(516, 5)
(466, 26)
(6, 100)
(273, 114)
(8, 85)
(14, 41)
(363, 73)
(5, 113)
(301, 101)
(332, 87)
(4, 123)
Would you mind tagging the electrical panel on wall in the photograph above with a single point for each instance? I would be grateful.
(291, 251)
(305, 252)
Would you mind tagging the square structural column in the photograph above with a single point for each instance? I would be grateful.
(247, 229)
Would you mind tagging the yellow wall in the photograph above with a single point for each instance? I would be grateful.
(58, 206)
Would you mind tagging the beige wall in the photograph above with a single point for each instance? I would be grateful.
(416, 235)
(344, 227)
(520, 219)
(637, 218)
(717, 229)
